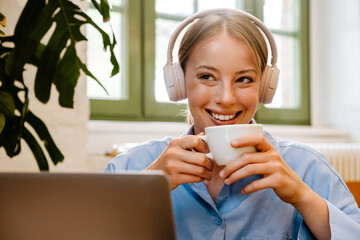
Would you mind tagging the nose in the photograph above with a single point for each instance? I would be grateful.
(225, 93)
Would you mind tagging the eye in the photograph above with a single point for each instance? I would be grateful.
(206, 77)
(245, 80)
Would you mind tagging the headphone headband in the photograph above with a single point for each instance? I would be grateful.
(201, 14)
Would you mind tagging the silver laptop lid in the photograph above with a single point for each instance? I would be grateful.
(85, 206)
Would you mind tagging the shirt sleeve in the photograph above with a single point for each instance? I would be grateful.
(344, 221)
(116, 164)
(342, 225)
(138, 157)
(344, 214)
(315, 170)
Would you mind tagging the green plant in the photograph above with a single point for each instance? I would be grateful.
(56, 62)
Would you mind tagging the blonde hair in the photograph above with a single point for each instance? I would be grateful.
(234, 24)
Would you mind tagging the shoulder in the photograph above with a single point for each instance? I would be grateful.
(315, 170)
(151, 146)
(138, 157)
(310, 164)
(301, 150)
(296, 150)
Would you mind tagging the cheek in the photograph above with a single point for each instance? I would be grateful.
(197, 93)
(250, 98)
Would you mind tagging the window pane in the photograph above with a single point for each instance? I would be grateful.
(116, 3)
(98, 61)
(279, 14)
(207, 4)
(288, 90)
(183, 7)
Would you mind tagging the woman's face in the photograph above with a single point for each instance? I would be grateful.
(222, 83)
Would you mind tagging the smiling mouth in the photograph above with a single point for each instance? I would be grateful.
(222, 117)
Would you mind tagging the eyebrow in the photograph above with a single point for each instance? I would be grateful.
(214, 69)
(207, 67)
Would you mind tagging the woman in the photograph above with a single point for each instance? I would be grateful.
(283, 191)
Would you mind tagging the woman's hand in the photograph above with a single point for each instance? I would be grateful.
(281, 178)
(268, 163)
(182, 163)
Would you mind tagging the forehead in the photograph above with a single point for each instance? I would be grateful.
(222, 49)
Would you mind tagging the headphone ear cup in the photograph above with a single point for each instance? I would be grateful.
(174, 81)
(269, 82)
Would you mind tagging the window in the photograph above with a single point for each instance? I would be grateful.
(288, 21)
(124, 100)
(143, 29)
(98, 60)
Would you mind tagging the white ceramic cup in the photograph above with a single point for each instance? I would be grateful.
(218, 139)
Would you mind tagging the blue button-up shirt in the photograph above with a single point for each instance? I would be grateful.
(259, 215)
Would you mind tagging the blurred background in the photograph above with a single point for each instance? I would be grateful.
(317, 101)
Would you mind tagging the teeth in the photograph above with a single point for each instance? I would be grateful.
(222, 117)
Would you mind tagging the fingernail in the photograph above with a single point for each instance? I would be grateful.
(221, 174)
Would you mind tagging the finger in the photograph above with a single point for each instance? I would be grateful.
(257, 140)
(188, 178)
(179, 179)
(248, 170)
(179, 149)
(192, 169)
(193, 142)
(241, 161)
(201, 146)
(257, 185)
(197, 158)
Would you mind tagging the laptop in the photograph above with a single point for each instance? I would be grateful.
(85, 206)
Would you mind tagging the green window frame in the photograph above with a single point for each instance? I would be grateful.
(131, 107)
(301, 114)
(139, 50)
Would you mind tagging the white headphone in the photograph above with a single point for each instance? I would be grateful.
(174, 74)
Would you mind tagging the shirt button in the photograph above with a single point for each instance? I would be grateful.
(218, 221)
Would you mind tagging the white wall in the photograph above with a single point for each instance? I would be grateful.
(335, 87)
(67, 126)
(335, 61)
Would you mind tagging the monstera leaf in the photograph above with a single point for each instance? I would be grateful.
(57, 63)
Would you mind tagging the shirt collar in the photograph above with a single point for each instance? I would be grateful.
(191, 130)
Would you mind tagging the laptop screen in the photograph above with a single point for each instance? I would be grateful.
(85, 206)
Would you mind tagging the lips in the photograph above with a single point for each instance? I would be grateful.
(223, 117)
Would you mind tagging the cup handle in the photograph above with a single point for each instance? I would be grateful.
(204, 138)
(209, 155)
